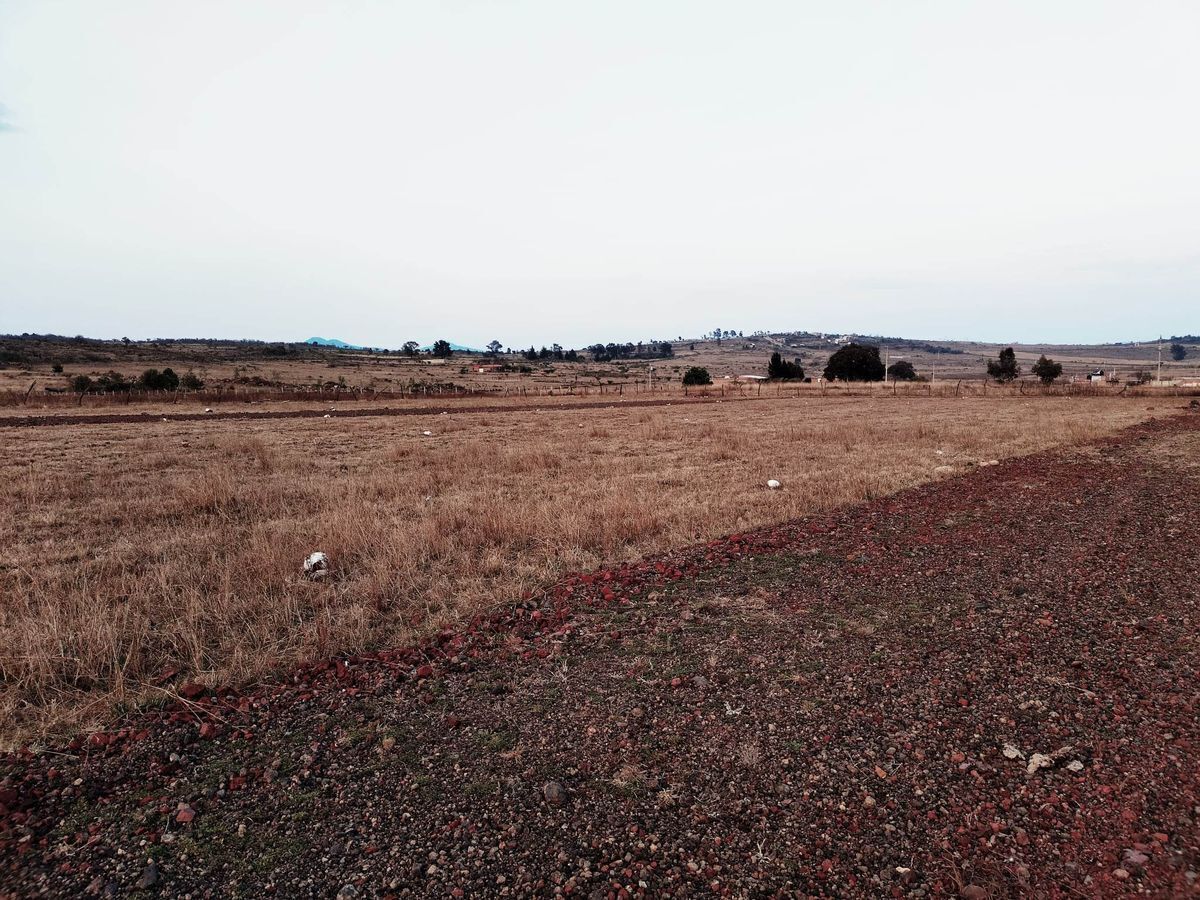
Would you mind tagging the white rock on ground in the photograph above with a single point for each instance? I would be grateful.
(316, 565)
(1038, 761)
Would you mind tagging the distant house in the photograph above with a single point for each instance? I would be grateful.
(1096, 376)
(490, 367)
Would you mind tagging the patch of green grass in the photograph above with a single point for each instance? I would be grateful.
(276, 854)
(496, 741)
(482, 789)
(209, 771)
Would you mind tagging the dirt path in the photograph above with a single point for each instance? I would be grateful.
(14, 421)
(985, 687)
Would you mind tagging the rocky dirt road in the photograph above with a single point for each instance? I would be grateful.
(985, 687)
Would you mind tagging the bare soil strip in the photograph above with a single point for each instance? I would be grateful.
(14, 421)
(982, 687)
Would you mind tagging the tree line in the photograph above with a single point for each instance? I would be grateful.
(556, 352)
(150, 380)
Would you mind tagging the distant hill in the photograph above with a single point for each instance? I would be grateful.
(333, 342)
(457, 348)
(342, 345)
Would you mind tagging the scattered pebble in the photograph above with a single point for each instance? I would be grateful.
(150, 877)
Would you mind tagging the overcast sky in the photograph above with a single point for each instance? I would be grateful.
(569, 171)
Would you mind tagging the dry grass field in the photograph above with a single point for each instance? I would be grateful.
(132, 549)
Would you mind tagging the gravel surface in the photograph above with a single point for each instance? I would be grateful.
(984, 687)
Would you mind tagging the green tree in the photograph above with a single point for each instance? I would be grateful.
(902, 370)
(778, 367)
(1005, 368)
(154, 380)
(113, 382)
(81, 384)
(410, 348)
(494, 347)
(1178, 352)
(855, 362)
(191, 382)
(697, 375)
(442, 349)
(1046, 369)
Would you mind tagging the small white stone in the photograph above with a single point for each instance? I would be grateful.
(1038, 761)
(773, 484)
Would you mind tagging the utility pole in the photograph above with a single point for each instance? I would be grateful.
(1160, 359)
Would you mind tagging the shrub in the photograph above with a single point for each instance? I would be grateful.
(81, 384)
(56, 368)
(1046, 369)
(1178, 352)
(113, 382)
(855, 362)
(778, 367)
(154, 380)
(1005, 368)
(190, 382)
(697, 375)
(902, 371)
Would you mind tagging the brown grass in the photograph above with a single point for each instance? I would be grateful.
(130, 548)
